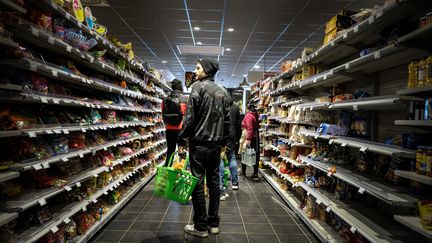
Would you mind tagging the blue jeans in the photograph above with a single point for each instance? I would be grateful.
(233, 170)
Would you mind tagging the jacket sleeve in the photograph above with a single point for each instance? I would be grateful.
(227, 121)
(189, 118)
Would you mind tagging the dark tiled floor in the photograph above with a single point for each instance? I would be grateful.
(249, 215)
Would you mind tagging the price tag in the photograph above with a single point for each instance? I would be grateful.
(106, 169)
(103, 65)
(356, 29)
(379, 13)
(95, 200)
(51, 40)
(331, 141)
(79, 24)
(54, 229)
(308, 193)
(332, 43)
(83, 130)
(37, 167)
(57, 131)
(66, 220)
(371, 19)
(45, 165)
(42, 202)
(315, 80)
(65, 131)
(363, 149)
(81, 155)
(49, 132)
(328, 209)
(84, 208)
(353, 229)
(68, 188)
(318, 201)
(325, 77)
(355, 107)
(345, 35)
(44, 100)
(347, 66)
(64, 159)
(35, 31)
(344, 144)
(68, 16)
(95, 175)
(69, 48)
(78, 184)
(316, 136)
(33, 66)
(361, 190)
(329, 174)
(31, 134)
(55, 101)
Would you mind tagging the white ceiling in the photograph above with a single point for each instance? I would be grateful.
(266, 32)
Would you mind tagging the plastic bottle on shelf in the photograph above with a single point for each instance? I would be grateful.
(429, 70)
(412, 74)
(429, 161)
(421, 160)
(421, 73)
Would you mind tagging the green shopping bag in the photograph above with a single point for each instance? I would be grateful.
(173, 184)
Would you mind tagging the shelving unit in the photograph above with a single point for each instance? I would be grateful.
(340, 62)
(132, 93)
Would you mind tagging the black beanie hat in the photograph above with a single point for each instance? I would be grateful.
(176, 85)
(210, 66)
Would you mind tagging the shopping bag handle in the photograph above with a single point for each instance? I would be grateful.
(172, 158)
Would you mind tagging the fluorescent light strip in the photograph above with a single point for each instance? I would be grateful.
(280, 35)
(222, 26)
(190, 24)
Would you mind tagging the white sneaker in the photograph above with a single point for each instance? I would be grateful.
(224, 197)
(190, 229)
(213, 230)
(236, 187)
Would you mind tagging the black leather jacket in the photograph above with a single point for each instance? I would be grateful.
(207, 119)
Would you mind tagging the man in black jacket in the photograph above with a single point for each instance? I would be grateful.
(206, 125)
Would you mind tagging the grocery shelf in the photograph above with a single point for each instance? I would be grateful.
(424, 91)
(412, 175)
(365, 33)
(276, 133)
(295, 102)
(8, 42)
(7, 217)
(57, 73)
(271, 147)
(292, 161)
(372, 103)
(115, 209)
(40, 196)
(364, 184)
(8, 175)
(321, 229)
(65, 129)
(313, 106)
(64, 215)
(420, 123)
(160, 130)
(294, 144)
(413, 223)
(13, 6)
(298, 122)
(363, 145)
(160, 154)
(52, 99)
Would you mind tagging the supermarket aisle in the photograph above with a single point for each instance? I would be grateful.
(249, 215)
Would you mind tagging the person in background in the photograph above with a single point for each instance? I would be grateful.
(173, 110)
(206, 126)
(251, 124)
(231, 150)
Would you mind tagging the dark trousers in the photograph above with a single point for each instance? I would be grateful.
(204, 163)
(254, 145)
(172, 140)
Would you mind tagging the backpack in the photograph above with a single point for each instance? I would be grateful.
(172, 113)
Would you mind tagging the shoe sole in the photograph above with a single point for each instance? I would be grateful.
(213, 233)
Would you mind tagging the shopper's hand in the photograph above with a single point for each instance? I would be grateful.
(181, 149)
(248, 142)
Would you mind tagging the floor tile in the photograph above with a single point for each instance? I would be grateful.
(268, 238)
(119, 225)
(177, 217)
(274, 212)
(259, 229)
(286, 229)
(230, 218)
(232, 228)
(281, 219)
(194, 239)
(179, 210)
(145, 226)
(255, 219)
(296, 238)
(138, 202)
(132, 209)
(228, 204)
(229, 210)
(251, 204)
(150, 217)
(251, 211)
(230, 238)
(169, 237)
(110, 236)
(156, 208)
(125, 216)
(172, 227)
(138, 236)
